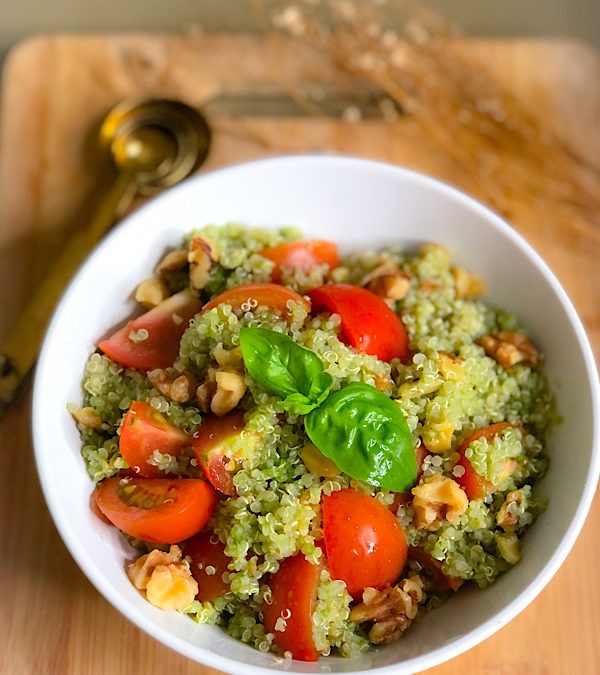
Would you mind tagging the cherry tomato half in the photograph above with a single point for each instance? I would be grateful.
(304, 254)
(475, 485)
(158, 510)
(364, 541)
(289, 616)
(368, 324)
(145, 430)
(208, 553)
(152, 340)
(273, 296)
(212, 444)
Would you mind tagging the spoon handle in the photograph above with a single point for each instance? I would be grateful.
(20, 347)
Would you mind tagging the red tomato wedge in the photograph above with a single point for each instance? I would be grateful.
(212, 443)
(304, 254)
(474, 485)
(364, 542)
(145, 430)
(152, 340)
(208, 553)
(266, 295)
(158, 510)
(289, 616)
(368, 324)
(433, 569)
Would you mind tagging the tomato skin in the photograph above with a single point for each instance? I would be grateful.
(294, 592)
(269, 295)
(144, 430)
(474, 485)
(304, 254)
(368, 324)
(188, 505)
(211, 442)
(165, 324)
(205, 549)
(364, 542)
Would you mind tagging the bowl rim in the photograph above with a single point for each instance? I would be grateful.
(442, 653)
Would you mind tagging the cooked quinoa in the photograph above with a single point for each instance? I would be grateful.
(447, 389)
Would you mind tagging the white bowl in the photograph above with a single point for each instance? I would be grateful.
(359, 204)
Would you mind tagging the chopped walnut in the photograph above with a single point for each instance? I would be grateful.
(222, 390)
(387, 281)
(229, 392)
(450, 366)
(204, 394)
(509, 521)
(140, 571)
(87, 417)
(509, 347)
(436, 249)
(437, 436)
(436, 499)
(151, 292)
(466, 284)
(384, 382)
(391, 610)
(179, 388)
(509, 547)
(202, 256)
(173, 261)
(229, 357)
(427, 286)
(166, 579)
(316, 462)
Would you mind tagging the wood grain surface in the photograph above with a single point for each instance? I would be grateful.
(54, 91)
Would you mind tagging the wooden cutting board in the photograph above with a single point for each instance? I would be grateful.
(54, 90)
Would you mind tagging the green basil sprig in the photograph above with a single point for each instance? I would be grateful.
(365, 434)
(285, 369)
(358, 427)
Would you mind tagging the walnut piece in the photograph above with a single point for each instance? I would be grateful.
(437, 250)
(173, 261)
(450, 366)
(180, 388)
(391, 610)
(466, 284)
(229, 392)
(229, 357)
(87, 417)
(204, 394)
(436, 499)
(387, 281)
(510, 347)
(316, 462)
(509, 521)
(165, 577)
(151, 292)
(222, 390)
(437, 436)
(202, 256)
(509, 547)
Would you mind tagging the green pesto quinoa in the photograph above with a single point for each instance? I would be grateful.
(471, 390)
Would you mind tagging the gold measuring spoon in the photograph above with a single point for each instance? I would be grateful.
(153, 144)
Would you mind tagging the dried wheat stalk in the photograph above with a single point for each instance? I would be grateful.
(502, 153)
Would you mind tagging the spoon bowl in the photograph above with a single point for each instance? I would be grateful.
(153, 144)
(158, 141)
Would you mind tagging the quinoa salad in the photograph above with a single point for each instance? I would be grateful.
(314, 450)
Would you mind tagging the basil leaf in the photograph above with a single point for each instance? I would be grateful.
(285, 369)
(365, 434)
